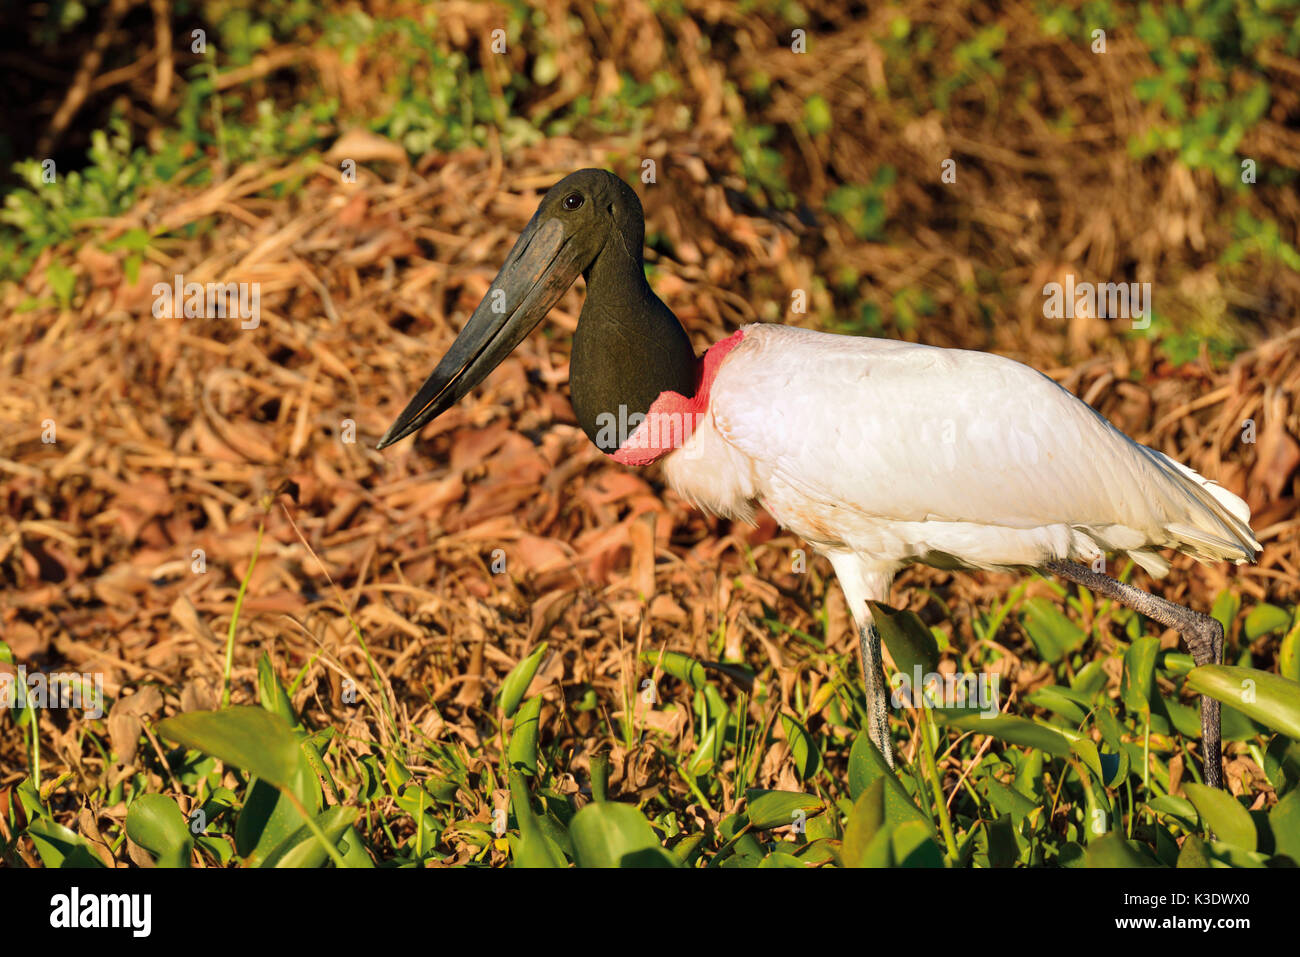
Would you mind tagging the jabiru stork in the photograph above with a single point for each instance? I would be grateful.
(878, 453)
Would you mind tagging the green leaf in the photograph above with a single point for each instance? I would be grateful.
(1052, 633)
(532, 850)
(1137, 684)
(783, 860)
(1055, 700)
(302, 849)
(1265, 619)
(1226, 606)
(608, 834)
(803, 749)
(1267, 698)
(353, 850)
(1284, 820)
(1193, 853)
(1222, 814)
(1010, 729)
(866, 767)
(913, 845)
(268, 816)
(769, 809)
(522, 752)
(253, 739)
(866, 836)
(521, 676)
(59, 846)
(680, 666)
(1006, 800)
(1112, 850)
(1288, 655)
(701, 761)
(1179, 808)
(910, 643)
(155, 823)
(271, 693)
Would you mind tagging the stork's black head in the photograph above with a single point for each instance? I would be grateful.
(572, 225)
(591, 223)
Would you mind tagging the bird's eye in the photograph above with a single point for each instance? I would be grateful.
(573, 201)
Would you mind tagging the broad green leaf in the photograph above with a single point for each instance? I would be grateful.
(769, 809)
(268, 816)
(1053, 699)
(1265, 619)
(353, 850)
(520, 677)
(600, 776)
(302, 849)
(1179, 808)
(783, 860)
(701, 761)
(1230, 855)
(1137, 684)
(1288, 655)
(1193, 853)
(913, 845)
(910, 642)
(155, 823)
(1186, 720)
(688, 848)
(59, 846)
(803, 749)
(532, 849)
(1284, 820)
(1089, 680)
(1086, 750)
(866, 767)
(1267, 698)
(253, 739)
(1114, 768)
(271, 693)
(1221, 813)
(522, 752)
(608, 834)
(866, 836)
(1010, 729)
(1052, 633)
(680, 666)
(1112, 850)
(1226, 606)
(1282, 763)
(1006, 800)
(1176, 662)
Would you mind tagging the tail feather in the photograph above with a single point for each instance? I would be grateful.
(1217, 528)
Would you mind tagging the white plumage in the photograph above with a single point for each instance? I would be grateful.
(893, 452)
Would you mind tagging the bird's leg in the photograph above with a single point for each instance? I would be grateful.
(873, 676)
(1202, 634)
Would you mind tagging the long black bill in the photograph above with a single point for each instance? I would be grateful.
(542, 264)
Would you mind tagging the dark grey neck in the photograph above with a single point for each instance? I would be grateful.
(629, 347)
